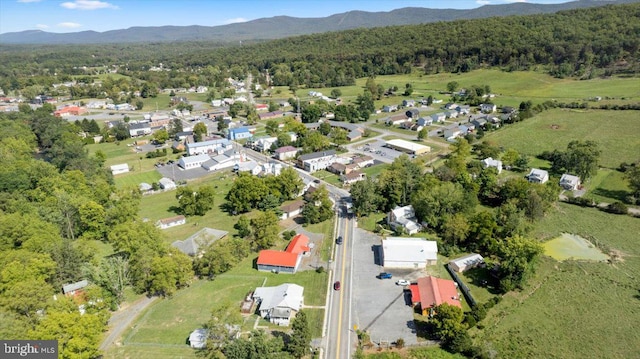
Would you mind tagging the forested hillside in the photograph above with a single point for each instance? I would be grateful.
(582, 43)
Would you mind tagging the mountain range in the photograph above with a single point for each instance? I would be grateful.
(285, 26)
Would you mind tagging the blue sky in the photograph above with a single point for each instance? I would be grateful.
(104, 15)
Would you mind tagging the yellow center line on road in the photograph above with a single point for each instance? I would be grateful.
(344, 260)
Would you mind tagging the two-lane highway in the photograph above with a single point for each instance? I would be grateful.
(340, 334)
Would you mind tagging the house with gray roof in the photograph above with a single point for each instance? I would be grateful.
(192, 245)
(279, 304)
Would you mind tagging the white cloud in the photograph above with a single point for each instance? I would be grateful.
(483, 2)
(69, 25)
(42, 26)
(87, 5)
(25, 1)
(234, 20)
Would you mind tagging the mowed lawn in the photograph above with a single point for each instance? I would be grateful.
(617, 133)
(574, 309)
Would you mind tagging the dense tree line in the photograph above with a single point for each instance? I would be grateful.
(57, 203)
(582, 43)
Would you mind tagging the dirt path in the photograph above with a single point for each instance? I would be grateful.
(122, 319)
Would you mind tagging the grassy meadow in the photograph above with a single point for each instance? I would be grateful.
(574, 309)
(617, 133)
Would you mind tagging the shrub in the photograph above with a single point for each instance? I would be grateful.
(617, 208)
(320, 269)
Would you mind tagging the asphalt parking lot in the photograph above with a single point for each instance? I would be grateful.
(380, 306)
(379, 152)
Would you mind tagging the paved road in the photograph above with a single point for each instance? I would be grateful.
(122, 319)
(341, 337)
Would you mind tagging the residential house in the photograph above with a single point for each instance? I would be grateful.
(450, 106)
(178, 146)
(424, 121)
(463, 109)
(408, 103)
(337, 168)
(487, 108)
(316, 161)
(279, 304)
(451, 114)
(159, 120)
(261, 107)
(408, 125)
(285, 153)
(171, 222)
(74, 289)
(264, 143)
(490, 162)
(179, 99)
(216, 103)
(390, 108)
(363, 161)
(538, 176)
(191, 162)
(271, 168)
(201, 239)
(438, 117)
(451, 133)
(166, 184)
(352, 177)
(404, 219)
(139, 129)
(466, 262)
(397, 119)
(429, 292)
(291, 209)
(479, 122)
(248, 166)
(569, 182)
(409, 253)
(467, 127)
(118, 169)
(354, 132)
(412, 113)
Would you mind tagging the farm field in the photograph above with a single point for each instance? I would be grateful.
(574, 309)
(617, 133)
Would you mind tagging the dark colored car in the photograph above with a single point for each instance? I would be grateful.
(385, 275)
(339, 240)
(336, 285)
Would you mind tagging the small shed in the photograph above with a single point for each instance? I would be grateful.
(118, 169)
(466, 262)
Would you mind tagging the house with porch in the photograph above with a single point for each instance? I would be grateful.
(279, 304)
(538, 176)
(404, 219)
(429, 292)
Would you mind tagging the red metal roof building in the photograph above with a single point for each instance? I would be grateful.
(299, 245)
(429, 292)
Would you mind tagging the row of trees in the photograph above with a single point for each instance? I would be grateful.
(563, 41)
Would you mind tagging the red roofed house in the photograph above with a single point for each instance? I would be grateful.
(261, 107)
(430, 292)
(286, 261)
(299, 245)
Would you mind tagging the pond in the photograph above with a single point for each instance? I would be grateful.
(571, 246)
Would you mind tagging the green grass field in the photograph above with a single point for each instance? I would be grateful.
(574, 309)
(617, 133)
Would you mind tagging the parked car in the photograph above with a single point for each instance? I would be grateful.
(336, 285)
(339, 240)
(385, 275)
(402, 282)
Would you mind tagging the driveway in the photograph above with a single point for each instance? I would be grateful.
(380, 305)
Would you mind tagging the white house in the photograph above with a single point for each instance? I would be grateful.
(438, 117)
(404, 218)
(279, 304)
(225, 160)
(118, 169)
(171, 222)
(490, 162)
(538, 176)
(408, 253)
(285, 153)
(487, 107)
(451, 133)
(466, 262)
(569, 182)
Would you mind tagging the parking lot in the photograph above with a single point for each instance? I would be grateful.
(380, 306)
(378, 151)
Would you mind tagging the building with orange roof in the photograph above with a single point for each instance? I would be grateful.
(429, 292)
(70, 111)
(278, 261)
(299, 245)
